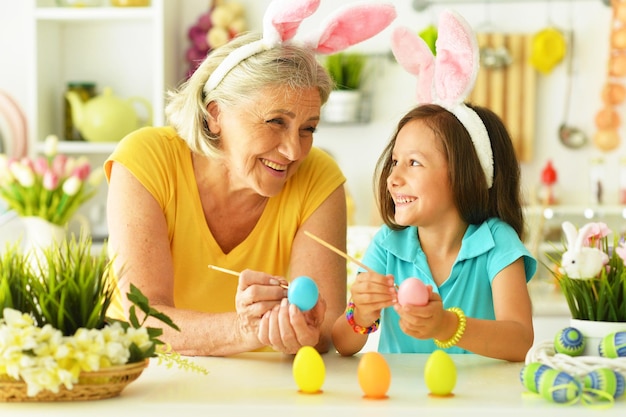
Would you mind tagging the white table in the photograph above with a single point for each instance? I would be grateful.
(261, 384)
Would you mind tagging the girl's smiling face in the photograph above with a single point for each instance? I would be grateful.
(266, 138)
(419, 180)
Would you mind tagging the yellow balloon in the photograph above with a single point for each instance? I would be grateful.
(309, 370)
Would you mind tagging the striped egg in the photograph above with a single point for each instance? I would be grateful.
(559, 386)
(606, 380)
(613, 345)
(569, 341)
(530, 374)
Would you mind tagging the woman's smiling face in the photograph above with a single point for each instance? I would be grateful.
(419, 182)
(265, 139)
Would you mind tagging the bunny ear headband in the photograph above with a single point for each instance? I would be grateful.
(448, 78)
(349, 25)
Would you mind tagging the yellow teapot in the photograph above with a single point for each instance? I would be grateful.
(107, 118)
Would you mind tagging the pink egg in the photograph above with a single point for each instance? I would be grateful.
(413, 291)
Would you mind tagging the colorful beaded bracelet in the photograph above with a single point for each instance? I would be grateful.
(459, 330)
(357, 328)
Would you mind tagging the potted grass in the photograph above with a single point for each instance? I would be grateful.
(347, 70)
(56, 341)
(592, 277)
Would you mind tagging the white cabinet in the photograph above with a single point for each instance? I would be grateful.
(126, 48)
(130, 49)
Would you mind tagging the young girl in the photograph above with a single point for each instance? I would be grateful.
(448, 190)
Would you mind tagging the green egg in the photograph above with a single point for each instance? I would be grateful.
(530, 374)
(569, 341)
(558, 386)
(613, 345)
(605, 380)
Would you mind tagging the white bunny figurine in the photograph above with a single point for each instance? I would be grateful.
(580, 261)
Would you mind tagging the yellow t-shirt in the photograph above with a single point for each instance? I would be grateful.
(161, 161)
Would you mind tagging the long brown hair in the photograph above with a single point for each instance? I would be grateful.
(475, 202)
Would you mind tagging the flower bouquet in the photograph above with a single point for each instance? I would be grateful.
(56, 342)
(52, 186)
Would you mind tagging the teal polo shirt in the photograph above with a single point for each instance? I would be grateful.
(486, 249)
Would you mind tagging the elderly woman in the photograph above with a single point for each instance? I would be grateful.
(234, 182)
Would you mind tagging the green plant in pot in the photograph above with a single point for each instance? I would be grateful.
(347, 69)
(53, 319)
(592, 277)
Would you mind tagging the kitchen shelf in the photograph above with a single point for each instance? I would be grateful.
(81, 147)
(421, 5)
(68, 14)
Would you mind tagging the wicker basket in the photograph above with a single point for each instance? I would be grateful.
(576, 366)
(98, 385)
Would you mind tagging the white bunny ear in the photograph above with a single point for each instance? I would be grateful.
(414, 55)
(570, 234)
(582, 235)
(351, 24)
(283, 18)
(457, 59)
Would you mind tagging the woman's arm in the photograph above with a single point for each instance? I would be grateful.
(138, 239)
(329, 222)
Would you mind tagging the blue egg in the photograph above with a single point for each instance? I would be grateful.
(530, 375)
(613, 345)
(606, 380)
(559, 386)
(303, 293)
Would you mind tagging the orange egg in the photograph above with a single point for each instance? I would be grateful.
(374, 375)
(606, 140)
(607, 118)
(617, 65)
(613, 93)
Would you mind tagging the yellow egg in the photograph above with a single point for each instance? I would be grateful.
(309, 370)
(440, 373)
(374, 375)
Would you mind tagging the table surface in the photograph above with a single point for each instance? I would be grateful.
(262, 384)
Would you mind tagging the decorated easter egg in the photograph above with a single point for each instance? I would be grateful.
(613, 345)
(413, 291)
(605, 380)
(558, 386)
(440, 373)
(530, 374)
(374, 375)
(569, 341)
(309, 370)
(303, 293)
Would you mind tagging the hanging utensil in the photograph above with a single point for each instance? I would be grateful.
(570, 136)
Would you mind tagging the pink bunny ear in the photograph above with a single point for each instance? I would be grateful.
(351, 24)
(283, 18)
(414, 55)
(457, 59)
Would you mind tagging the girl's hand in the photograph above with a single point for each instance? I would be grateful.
(257, 293)
(423, 322)
(286, 328)
(371, 292)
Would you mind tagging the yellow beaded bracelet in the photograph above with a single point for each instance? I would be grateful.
(459, 330)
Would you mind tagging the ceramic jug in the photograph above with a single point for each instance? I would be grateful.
(106, 117)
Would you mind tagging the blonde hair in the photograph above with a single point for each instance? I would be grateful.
(284, 65)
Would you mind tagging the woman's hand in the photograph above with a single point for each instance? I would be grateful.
(286, 328)
(257, 294)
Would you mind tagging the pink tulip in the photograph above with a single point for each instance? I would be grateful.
(596, 232)
(50, 180)
(40, 165)
(58, 165)
(82, 171)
